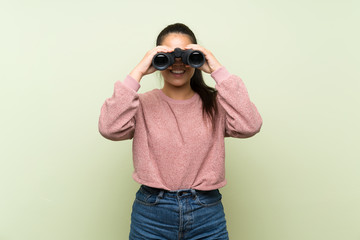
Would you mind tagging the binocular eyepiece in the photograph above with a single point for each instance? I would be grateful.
(194, 58)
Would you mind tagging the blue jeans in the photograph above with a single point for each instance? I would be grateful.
(174, 215)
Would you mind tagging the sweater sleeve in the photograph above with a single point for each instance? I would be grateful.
(117, 116)
(242, 118)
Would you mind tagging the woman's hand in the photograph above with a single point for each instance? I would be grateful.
(145, 67)
(211, 64)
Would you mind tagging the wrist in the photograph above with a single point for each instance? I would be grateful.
(135, 74)
(214, 65)
(131, 83)
(220, 75)
(214, 68)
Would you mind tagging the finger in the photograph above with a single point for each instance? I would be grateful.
(151, 69)
(160, 49)
(163, 49)
(196, 47)
(192, 46)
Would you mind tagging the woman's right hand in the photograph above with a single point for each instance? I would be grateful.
(145, 66)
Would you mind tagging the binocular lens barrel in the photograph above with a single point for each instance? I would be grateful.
(194, 58)
(161, 61)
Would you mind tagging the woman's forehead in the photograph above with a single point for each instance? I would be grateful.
(174, 40)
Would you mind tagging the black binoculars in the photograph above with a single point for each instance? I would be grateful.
(194, 58)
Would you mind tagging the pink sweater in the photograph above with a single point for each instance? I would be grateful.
(173, 147)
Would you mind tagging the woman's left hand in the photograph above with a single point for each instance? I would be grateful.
(211, 64)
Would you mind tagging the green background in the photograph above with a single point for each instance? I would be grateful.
(298, 179)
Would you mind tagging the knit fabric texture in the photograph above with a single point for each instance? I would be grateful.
(175, 146)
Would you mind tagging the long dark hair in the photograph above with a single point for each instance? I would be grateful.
(197, 83)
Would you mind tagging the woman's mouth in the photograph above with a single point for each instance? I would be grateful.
(177, 71)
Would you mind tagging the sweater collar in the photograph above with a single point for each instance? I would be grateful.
(171, 100)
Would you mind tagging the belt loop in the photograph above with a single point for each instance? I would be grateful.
(161, 194)
(193, 192)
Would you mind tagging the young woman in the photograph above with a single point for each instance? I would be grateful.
(178, 140)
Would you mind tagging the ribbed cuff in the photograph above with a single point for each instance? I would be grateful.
(130, 82)
(220, 74)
